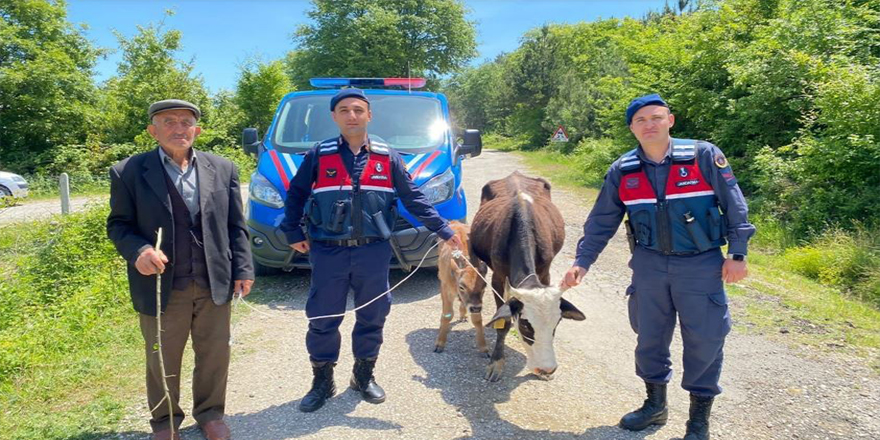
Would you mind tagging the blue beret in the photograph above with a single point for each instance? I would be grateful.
(641, 101)
(348, 93)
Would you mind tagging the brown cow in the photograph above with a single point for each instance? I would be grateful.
(459, 280)
(517, 231)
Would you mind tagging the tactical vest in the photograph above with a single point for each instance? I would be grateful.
(340, 209)
(688, 221)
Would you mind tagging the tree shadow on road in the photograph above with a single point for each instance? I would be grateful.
(475, 398)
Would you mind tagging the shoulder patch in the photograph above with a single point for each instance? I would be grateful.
(720, 160)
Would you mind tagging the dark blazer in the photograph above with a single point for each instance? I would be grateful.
(140, 205)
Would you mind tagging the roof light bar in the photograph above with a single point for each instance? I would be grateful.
(336, 83)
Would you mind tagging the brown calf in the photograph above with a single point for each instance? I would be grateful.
(459, 280)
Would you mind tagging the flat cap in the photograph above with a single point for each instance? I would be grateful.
(642, 101)
(348, 93)
(173, 104)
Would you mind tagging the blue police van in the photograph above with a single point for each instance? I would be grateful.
(415, 123)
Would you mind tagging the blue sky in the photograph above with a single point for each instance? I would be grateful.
(220, 35)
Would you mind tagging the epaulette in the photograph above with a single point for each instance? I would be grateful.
(683, 150)
(379, 148)
(630, 161)
(329, 146)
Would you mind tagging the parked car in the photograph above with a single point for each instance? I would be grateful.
(12, 185)
(415, 123)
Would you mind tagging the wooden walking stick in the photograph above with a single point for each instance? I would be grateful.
(159, 342)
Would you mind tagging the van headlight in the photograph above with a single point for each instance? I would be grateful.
(440, 188)
(262, 191)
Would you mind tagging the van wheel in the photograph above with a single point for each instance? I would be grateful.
(5, 192)
(263, 271)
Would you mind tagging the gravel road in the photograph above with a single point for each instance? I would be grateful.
(773, 390)
(29, 210)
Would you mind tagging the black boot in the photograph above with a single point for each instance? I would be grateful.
(323, 387)
(362, 380)
(698, 423)
(653, 412)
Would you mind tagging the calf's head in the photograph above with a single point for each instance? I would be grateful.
(470, 284)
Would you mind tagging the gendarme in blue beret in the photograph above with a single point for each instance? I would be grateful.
(173, 104)
(641, 101)
(348, 93)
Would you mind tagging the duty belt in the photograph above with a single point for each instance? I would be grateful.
(350, 243)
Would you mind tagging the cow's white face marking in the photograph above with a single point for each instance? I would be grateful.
(526, 198)
(541, 310)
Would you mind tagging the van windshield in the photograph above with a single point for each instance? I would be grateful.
(407, 123)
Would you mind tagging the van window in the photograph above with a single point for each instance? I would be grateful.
(405, 122)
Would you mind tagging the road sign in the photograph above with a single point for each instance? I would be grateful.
(559, 135)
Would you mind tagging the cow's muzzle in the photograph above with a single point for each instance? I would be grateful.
(544, 373)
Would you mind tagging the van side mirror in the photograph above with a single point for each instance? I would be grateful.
(250, 142)
(472, 145)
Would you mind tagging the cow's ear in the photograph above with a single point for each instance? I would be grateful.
(487, 193)
(547, 185)
(506, 311)
(569, 311)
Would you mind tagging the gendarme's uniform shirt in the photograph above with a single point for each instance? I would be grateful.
(412, 198)
(609, 210)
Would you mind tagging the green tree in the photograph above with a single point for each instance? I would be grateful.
(260, 88)
(382, 38)
(47, 96)
(476, 97)
(221, 132)
(149, 72)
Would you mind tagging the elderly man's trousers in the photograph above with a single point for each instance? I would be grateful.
(190, 311)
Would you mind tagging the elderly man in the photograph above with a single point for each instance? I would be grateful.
(671, 191)
(349, 186)
(194, 197)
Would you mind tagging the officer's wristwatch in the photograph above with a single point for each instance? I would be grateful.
(737, 257)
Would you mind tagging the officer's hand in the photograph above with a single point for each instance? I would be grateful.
(455, 242)
(301, 247)
(242, 287)
(733, 271)
(573, 277)
(151, 262)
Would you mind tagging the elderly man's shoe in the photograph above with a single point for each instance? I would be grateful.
(165, 434)
(215, 430)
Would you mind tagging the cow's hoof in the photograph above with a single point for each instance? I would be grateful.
(439, 348)
(495, 370)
